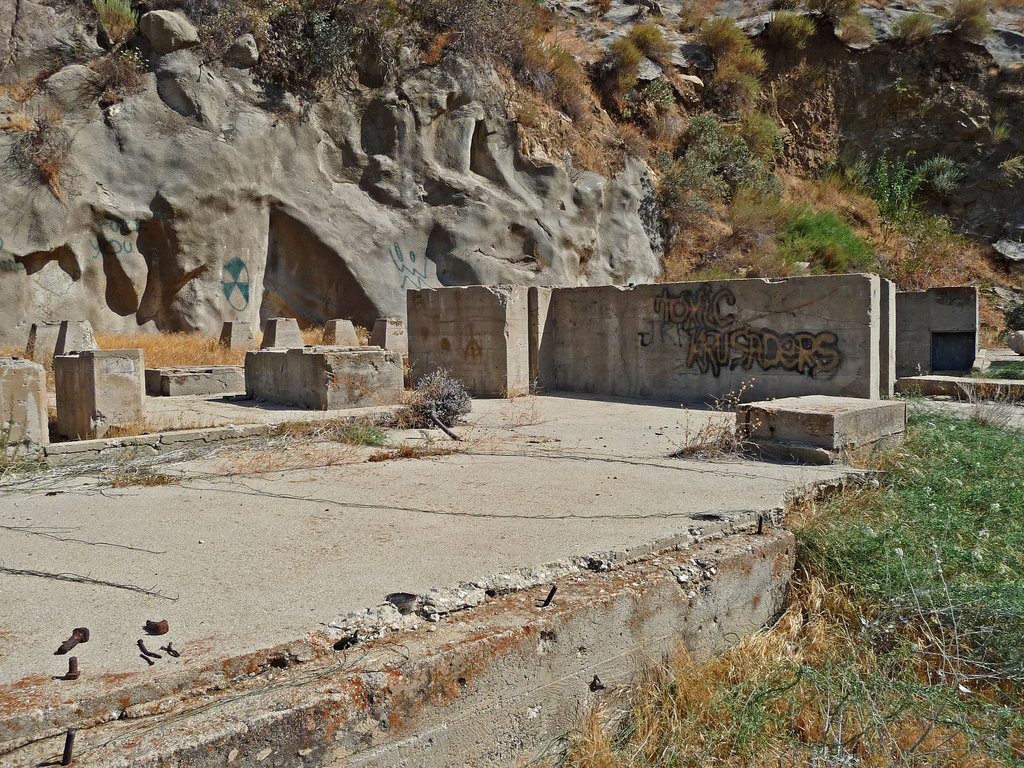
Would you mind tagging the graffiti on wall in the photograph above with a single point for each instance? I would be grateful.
(234, 282)
(9, 263)
(706, 323)
(110, 237)
(412, 269)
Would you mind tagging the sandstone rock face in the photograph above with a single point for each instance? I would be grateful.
(168, 31)
(193, 202)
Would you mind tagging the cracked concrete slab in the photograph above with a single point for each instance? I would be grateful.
(255, 545)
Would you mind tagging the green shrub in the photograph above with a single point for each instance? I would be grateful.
(557, 74)
(722, 37)
(1014, 317)
(738, 64)
(855, 29)
(622, 64)
(117, 18)
(762, 135)
(713, 167)
(913, 29)
(893, 186)
(650, 40)
(1012, 169)
(940, 175)
(790, 31)
(968, 19)
(825, 241)
(832, 11)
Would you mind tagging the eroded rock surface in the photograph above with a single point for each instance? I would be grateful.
(198, 200)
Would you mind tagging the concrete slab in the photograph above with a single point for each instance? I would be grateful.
(820, 429)
(195, 380)
(489, 687)
(962, 387)
(252, 548)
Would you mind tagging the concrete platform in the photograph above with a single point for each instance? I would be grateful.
(962, 388)
(819, 429)
(258, 549)
(195, 380)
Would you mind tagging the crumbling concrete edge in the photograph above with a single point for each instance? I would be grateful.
(24, 719)
(153, 444)
(492, 689)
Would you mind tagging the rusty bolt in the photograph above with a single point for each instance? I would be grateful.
(78, 635)
(147, 660)
(72, 673)
(147, 652)
(69, 747)
(170, 650)
(156, 627)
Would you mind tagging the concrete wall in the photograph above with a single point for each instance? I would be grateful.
(477, 333)
(887, 340)
(24, 428)
(325, 377)
(97, 390)
(705, 340)
(936, 325)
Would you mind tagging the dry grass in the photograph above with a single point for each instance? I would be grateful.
(130, 475)
(18, 122)
(414, 451)
(164, 350)
(691, 712)
(21, 91)
(715, 436)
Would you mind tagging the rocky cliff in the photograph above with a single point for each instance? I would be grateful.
(204, 197)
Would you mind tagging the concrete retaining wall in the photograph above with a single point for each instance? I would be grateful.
(477, 333)
(936, 330)
(699, 341)
(325, 377)
(493, 687)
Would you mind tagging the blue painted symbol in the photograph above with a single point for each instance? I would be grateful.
(406, 266)
(235, 284)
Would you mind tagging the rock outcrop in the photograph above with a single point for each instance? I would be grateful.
(204, 198)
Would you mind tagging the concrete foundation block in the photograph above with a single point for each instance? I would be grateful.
(98, 390)
(701, 341)
(237, 335)
(389, 333)
(936, 330)
(341, 333)
(42, 341)
(23, 420)
(479, 334)
(74, 336)
(195, 380)
(325, 378)
(820, 429)
(282, 333)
